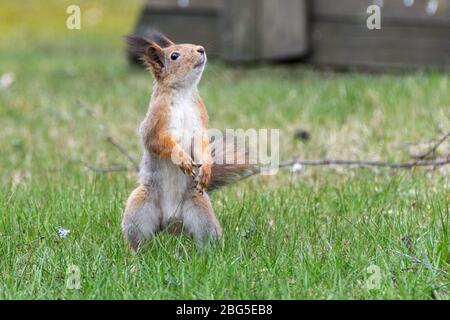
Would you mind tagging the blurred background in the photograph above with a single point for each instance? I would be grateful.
(409, 33)
(51, 74)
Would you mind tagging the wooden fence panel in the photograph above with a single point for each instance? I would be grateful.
(239, 36)
(393, 11)
(264, 29)
(397, 46)
(334, 32)
(284, 29)
(409, 36)
(197, 23)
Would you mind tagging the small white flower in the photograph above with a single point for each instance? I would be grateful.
(409, 193)
(62, 233)
(6, 80)
(297, 167)
(271, 223)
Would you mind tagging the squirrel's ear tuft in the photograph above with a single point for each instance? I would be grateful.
(137, 45)
(158, 38)
(147, 50)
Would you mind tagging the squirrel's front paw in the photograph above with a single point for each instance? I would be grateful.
(187, 165)
(204, 177)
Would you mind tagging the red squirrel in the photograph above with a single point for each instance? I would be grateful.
(172, 195)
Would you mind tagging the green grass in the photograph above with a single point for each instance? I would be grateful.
(306, 235)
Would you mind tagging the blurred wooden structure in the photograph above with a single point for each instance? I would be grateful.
(244, 30)
(194, 21)
(414, 33)
(263, 29)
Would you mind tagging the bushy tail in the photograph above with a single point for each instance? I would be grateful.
(223, 174)
(231, 163)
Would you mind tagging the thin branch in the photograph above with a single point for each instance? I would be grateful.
(122, 150)
(418, 261)
(364, 163)
(420, 162)
(118, 168)
(112, 141)
(433, 149)
(324, 163)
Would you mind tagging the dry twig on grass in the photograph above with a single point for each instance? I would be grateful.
(109, 138)
(421, 160)
(364, 163)
(433, 149)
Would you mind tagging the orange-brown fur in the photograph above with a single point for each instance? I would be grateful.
(168, 198)
(155, 135)
(174, 198)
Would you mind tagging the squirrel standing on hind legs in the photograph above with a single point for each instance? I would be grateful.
(171, 194)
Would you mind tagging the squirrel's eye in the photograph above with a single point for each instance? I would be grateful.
(174, 56)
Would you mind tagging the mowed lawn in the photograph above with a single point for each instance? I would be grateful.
(323, 232)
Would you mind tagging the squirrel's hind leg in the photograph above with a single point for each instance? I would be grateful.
(199, 219)
(142, 217)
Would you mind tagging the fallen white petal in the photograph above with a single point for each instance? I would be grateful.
(6, 80)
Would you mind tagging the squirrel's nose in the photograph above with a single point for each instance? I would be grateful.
(201, 50)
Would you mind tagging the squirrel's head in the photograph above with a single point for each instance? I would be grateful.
(171, 64)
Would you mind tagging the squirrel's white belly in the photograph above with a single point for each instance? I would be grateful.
(171, 183)
(184, 123)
